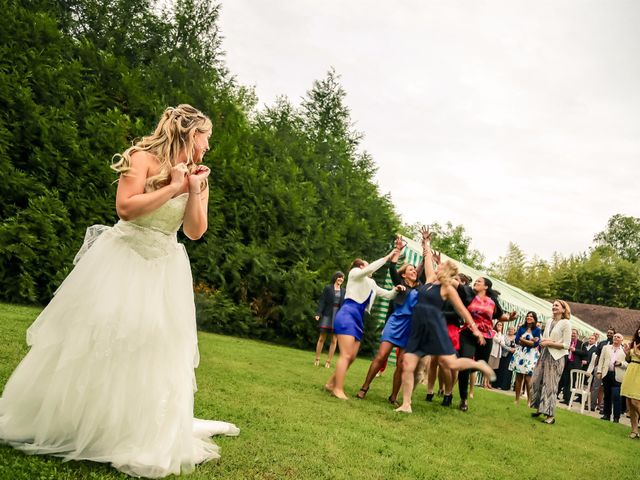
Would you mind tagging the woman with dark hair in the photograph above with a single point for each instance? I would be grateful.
(330, 301)
(526, 355)
(555, 343)
(484, 308)
(631, 382)
(398, 326)
(349, 322)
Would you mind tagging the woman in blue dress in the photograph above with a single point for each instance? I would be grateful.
(526, 356)
(349, 322)
(398, 327)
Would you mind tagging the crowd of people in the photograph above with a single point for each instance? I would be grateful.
(443, 323)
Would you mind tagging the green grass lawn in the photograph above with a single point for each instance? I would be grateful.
(292, 429)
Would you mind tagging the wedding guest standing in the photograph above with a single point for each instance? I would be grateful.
(526, 355)
(330, 301)
(555, 348)
(610, 370)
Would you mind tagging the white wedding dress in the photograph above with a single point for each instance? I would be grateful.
(110, 373)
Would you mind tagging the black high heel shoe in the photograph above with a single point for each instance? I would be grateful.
(429, 397)
(446, 400)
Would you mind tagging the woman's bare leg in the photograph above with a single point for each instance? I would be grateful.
(519, 377)
(349, 347)
(397, 376)
(432, 374)
(319, 347)
(447, 378)
(409, 364)
(527, 387)
(380, 359)
(332, 349)
(634, 412)
(462, 363)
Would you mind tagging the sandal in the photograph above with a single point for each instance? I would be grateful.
(316, 362)
(362, 391)
(634, 435)
(393, 402)
(327, 364)
(464, 406)
(549, 420)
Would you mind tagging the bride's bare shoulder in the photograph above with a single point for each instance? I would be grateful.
(142, 161)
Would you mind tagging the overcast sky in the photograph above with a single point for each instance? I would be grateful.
(518, 119)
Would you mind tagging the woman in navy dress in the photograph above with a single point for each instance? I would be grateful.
(429, 334)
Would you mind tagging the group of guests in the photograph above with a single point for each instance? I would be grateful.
(438, 313)
(422, 299)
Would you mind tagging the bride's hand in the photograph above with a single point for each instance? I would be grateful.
(198, 176)
(178, 174)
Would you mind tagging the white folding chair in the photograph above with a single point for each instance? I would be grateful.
(581, 385)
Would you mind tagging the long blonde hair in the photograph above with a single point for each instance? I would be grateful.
(175, 132)
(446, 271)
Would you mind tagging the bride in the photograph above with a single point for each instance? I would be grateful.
(110, 373)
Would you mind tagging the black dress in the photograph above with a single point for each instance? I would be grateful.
(429, 328)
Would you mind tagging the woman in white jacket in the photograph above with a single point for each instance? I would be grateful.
(349, 322)
(555, 343)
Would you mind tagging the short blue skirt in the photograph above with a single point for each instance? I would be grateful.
(350, 318)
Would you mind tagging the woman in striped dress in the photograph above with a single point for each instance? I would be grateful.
(555, 343)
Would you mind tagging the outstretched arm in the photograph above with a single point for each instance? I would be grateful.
(427, 255)
(369, 269)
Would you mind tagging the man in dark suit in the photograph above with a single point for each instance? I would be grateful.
(574, 361)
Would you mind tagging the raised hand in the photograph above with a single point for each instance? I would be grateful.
(399, 243)
(436, 257)
(426, 235)
(400, 288)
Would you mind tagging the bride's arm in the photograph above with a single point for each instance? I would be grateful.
(195, 216)
(131, 201)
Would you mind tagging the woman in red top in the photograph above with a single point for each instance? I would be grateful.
(483, 309)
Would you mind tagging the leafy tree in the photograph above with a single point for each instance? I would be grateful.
(511, 267)
(454, 242)
(622, 234)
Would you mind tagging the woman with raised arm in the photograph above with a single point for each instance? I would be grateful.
(555, 344)
(349, 322)
(429, 329)
(396, 330)
(526, 356)
(110, 373)
(484, 308)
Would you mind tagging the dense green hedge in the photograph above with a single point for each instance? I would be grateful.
(292, 198)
